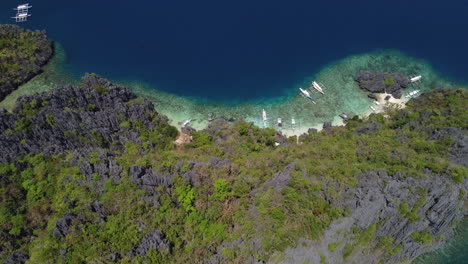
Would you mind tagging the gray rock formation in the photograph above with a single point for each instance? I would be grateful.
(147, 179)
(63, 225)
(74, 117)
(16, 258)
(327, 125)
(282, 178)
(382, 82)
(375, 202)
(371, 127)
(155, 240)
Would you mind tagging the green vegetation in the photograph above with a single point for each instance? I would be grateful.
(332, 247)
(101, 89)
(422, 237)
(385, 242)
(389, 81)
(20, 51)
(207, 204)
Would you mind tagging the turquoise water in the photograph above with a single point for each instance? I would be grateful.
(252, 55)
(236, 51)
(342, 95)
(455, 252)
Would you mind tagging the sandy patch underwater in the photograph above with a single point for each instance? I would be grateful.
(341, 94)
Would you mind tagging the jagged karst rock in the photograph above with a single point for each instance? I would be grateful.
(63, 225)
(97, 207)
(374, 126)
(74, 117)
(375, 201)
(16, 258)
(217, 162)
(97, 173)
(114, 257)
(382, 82)
(154, 240)
(147, 179)
(327, 125)
(282, 178)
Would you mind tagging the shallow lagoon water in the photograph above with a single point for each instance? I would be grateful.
(341, 94)
(235, 51)
(266, 52)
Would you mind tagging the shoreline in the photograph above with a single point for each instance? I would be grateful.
(343, 94)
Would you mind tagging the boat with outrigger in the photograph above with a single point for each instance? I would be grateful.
(318, 87)
(280, 124)
(186, 123)
(265, 119)
(413, 93)
(304, 93)
(293, 124)
(22, 12)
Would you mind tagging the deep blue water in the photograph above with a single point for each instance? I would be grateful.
(237, 50)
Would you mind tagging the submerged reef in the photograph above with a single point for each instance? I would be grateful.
(91, 173)
(23, 53)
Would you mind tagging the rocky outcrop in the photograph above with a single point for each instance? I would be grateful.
(155, 240)
(281, 179)
(74, 118)
(377, 204)
(63, 225)
(327, 125)
(148, 179)
(373, 126)
(16, 258)
(382, 82)
(25, 53)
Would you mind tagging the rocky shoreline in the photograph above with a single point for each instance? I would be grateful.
(95, 121)
(24, 53)
(383, 82)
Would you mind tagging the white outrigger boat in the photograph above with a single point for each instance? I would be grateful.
(306, 94)
(186, 123)
(265, 119)
(411, 94)
(318, 87)
(21, 17)
(22, 8)
(415, 79)
(293, 124)
(373, 108)
(22, 13)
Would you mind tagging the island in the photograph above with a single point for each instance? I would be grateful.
(92, 173)
(22, 54)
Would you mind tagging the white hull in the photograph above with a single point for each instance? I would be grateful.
(416, 78)
(317, 87)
